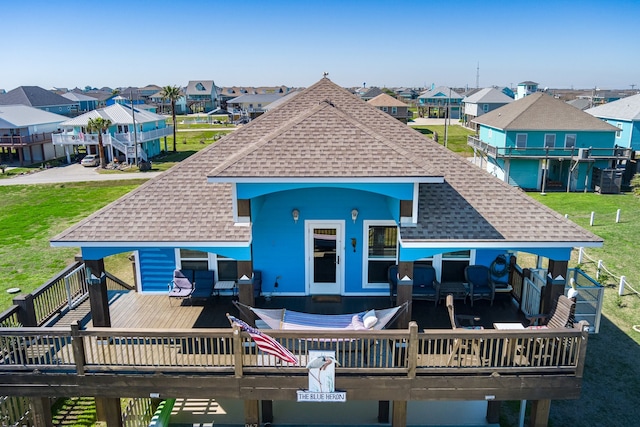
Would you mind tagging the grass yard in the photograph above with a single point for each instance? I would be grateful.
(456, 138)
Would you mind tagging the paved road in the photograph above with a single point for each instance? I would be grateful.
(73, 173)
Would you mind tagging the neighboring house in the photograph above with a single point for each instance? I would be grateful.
(539, 142)
(599, 97)
(164, 104)
(407, 94)
(436, 102)
(372, 92)
(103, 96)
(202, 96)
(250, 105)
(25, 134)
(624, 114)
(482, 102)
(580, 103)
(122, 141)
(86, 103)
(35, 96)
(391, 106)
(526, 89)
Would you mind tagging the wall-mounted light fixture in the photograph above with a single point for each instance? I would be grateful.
(295, 214)
(354, 215)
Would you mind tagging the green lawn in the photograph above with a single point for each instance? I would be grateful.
(456, 137)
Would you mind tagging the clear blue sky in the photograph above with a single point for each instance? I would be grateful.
(559, 44)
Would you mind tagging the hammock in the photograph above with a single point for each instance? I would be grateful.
(281, 318)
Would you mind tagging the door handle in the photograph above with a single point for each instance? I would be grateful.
(338, 259)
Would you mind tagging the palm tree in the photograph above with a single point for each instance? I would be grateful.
(99, 125)
(172, 93)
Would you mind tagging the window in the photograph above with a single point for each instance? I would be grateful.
(382, 251)
(225, 268)
(521, 140)
(394, 110)
(384, 109)
(449, 266)
(549, 140)
(570, 140)
(485, 108)
(490, 133)
(618, 133)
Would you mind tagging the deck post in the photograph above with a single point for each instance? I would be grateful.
(267, 411)
(108, 410)
(251, 413)
(554, 288)
(399, 413)
(77, 345)
(245, 289)
(41, 411)
(412, 358)
(540, 413)
(26, 312)
(98, 297)
(405, 293)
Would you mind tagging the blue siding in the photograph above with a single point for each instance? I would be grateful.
(279, 243)
(156, 268)
(525, 173)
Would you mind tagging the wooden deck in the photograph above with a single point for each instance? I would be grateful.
(134, 310)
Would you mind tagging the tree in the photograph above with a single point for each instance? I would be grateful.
(99, 125)
(172, 93)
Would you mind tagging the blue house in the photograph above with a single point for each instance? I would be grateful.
(539, 142)
(525, 89)
(436, 102)
(37, 97)
(322, 195)
(85, 102)
(625, 115)
(481, 102)
(135, 133)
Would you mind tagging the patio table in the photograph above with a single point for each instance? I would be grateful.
(459, 290)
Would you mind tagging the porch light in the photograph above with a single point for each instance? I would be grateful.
(354, 215)
(295, 214)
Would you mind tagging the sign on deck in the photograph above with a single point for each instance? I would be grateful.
(319, 396)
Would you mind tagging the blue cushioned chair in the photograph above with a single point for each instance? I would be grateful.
(481, 286)
(425, 285)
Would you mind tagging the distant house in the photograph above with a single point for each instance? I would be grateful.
(391, 106)
(482, 102)
(202, 96)
(407, 94)
(435, 103)
(85, 102)
(164, 105)
(624, 114)
(122, 140)
(580, 103)
(25, 134)
(250, 105)
(370, 93)
(526, 89)
(37, 97)
(539, 142)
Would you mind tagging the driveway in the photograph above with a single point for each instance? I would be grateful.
(73, 173)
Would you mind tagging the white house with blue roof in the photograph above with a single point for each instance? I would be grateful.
(625, 115)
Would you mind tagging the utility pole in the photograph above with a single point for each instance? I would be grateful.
(135, 132)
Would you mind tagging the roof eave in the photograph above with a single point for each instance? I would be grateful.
(328, 180)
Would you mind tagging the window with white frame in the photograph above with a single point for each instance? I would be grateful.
(394, 110)
(384, 109)
(382, 250)
(618, 133)
(449, 266)
(521, 140)
(225, 268)
(570, 140)
(485, 108)
(490, 133)
(549, 140)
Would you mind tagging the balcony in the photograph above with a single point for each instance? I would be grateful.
(579, 154)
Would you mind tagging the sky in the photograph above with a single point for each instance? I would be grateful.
(559, 44)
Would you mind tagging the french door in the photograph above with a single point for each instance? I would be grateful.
(324, 243)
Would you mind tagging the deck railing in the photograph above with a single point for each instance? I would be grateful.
(532, 292)
(403, 352)
(589, 300)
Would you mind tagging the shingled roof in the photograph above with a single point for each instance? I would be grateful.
(33, 96)
(325, 134)
(542, 112)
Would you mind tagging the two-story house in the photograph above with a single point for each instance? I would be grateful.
(625, 115)
(202, 96)
(25, 134)
(539, 142)
(481, 102)
(85, 102)
(134, 134)
(440, 102)
(526, 88)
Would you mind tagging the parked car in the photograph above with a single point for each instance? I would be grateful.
(90, 160)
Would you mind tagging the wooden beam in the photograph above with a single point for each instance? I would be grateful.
(41, 411)
(108, 410)
(399, 413)
(540, 413)
(98, 298)
(251, 413)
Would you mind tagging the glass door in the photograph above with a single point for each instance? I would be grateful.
(325, 255)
